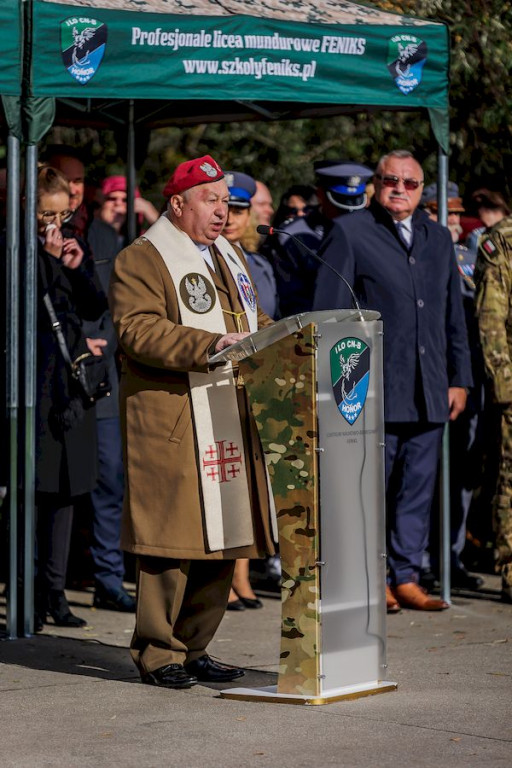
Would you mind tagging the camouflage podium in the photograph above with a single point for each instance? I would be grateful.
(315, 385)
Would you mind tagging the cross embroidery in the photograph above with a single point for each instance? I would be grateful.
(222, 461)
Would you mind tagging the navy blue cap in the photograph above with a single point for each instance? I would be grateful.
(241, 188)
(344, 178)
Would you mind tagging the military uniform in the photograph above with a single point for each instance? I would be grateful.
(493, 278)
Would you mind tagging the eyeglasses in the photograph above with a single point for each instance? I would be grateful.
(394, 181)
(48, 217)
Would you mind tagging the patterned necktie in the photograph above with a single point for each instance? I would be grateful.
(404, 234)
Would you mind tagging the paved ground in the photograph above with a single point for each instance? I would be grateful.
(72, 699)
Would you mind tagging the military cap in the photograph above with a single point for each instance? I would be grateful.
(241, 188)
(345, 178)
(344, 182)
(429, 198)
(201, 170)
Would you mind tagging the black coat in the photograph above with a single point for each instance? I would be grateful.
(417, 291)
(104, 244)
(295, 269)
(66, 460)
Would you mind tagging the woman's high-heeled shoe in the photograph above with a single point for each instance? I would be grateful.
(251, 602)
(60, 612)
(236, 605)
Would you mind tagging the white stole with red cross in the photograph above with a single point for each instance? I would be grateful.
(222, 466)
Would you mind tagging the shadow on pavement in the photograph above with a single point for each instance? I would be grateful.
(89, 658)
(92, 658)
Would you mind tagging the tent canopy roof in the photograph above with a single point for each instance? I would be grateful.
(307, 11)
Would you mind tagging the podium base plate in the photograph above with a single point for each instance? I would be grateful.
(269, 694)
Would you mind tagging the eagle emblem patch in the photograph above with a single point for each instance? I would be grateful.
(197, 293)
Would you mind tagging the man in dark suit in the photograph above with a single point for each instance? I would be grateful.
(403, 265)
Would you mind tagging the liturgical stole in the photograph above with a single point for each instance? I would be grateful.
(222, 465)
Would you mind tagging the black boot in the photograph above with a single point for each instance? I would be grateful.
(58, 609)
(40, 609)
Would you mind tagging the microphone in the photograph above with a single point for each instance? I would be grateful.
(262, 229)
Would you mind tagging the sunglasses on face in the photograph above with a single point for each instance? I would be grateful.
(394, 181)
(48, 217)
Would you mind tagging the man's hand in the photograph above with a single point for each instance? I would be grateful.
(95, 346)
(457, 397)
(229, 339)
(72, 254)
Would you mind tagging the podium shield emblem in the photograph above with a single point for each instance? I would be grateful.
(350, 376)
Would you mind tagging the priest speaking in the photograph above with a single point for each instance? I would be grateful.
(196, 493)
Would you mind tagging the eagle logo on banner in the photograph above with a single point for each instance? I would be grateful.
(83, 43)
(350, 376)
(407, 55)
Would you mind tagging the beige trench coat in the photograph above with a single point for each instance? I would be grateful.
(163, 514)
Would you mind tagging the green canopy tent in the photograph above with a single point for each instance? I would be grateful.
(162, 62)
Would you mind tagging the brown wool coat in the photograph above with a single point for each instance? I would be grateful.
(163, 514)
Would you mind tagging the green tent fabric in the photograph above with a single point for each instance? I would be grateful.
(10, 47)
(11, 62)
(28, 118)
(321, 53)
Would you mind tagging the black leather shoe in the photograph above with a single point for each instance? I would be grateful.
(114, 600)
(209, 671)
(38, 623)
(170, 676)
(506, 592)
(58, 609)
(462, 579)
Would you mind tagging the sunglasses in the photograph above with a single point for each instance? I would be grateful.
(394, 181)
(48, 217)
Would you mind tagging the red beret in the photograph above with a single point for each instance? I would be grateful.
(202, 170)
(115, 184)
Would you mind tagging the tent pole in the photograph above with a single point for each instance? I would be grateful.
(30, 331)
(445, 538)
(12, 363)
(130, 174)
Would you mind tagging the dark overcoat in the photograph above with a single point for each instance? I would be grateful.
(66, 461)
(104, 243)
(417, 291)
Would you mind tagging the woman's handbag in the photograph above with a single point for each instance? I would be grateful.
(88, 371)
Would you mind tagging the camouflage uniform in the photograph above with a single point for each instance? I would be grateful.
(493, 297)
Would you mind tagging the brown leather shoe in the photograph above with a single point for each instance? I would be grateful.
(392, 605)
(411, 595)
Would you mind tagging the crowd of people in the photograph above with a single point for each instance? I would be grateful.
(198, 278)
